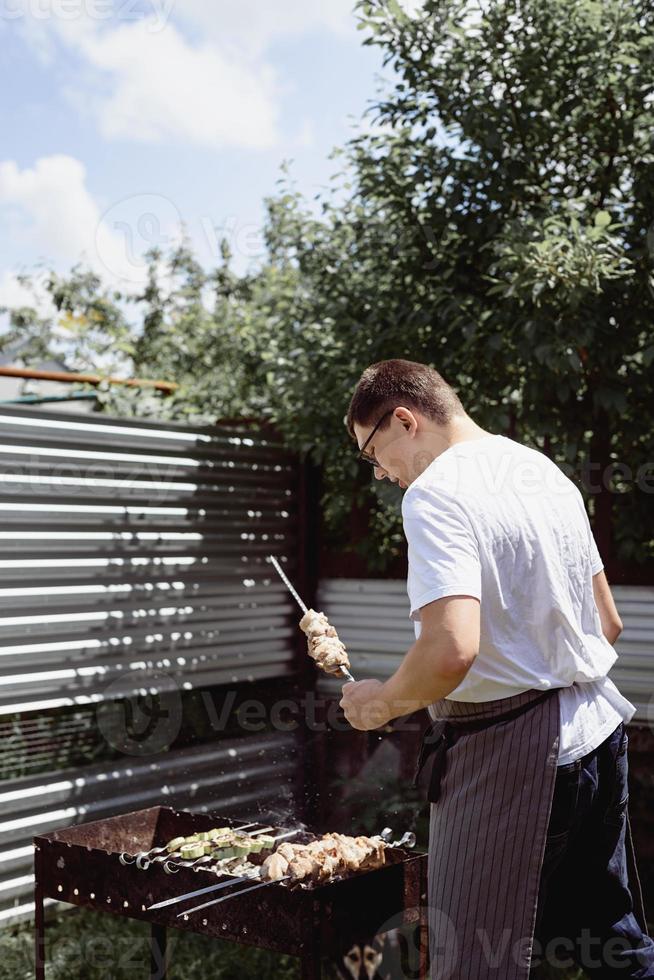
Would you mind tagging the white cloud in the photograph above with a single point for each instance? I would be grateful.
(189, 72)
(12, 292)
(161, 87)
(49, 204)
(51, 213)
(206, 78)
(253, 26)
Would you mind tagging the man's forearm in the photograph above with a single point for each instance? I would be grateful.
(421, 679)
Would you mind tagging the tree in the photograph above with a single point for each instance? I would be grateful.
(497, 228)
(494, 223)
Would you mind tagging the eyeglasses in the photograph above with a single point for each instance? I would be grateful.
(367, 457)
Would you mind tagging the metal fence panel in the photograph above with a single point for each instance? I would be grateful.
(133, 554)
(371, 617)
(131, 545)
(229, 777)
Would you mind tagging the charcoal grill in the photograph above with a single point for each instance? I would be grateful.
(81, 865)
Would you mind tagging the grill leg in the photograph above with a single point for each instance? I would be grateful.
(311, 963)
(39, 935)
(158, 953)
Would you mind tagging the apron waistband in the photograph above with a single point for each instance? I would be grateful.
(443, 732)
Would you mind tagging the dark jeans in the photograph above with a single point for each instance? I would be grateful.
(586, 901)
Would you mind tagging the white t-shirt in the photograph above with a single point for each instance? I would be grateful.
(498, 520)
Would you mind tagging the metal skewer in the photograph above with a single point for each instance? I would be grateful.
(202, 891)
(303, 607)
(285, 580)
(208, 860)
(407, 840)
(161, 855)
(173, 862)
(243, 891)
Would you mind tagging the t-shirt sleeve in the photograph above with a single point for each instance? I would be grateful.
(443, 550)
(596, 563)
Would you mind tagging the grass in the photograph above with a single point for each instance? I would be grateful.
(83, 945)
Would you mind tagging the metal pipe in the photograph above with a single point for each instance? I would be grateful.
(39, 399)
(94, 379)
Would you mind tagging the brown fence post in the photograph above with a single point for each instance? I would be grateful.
(308, 552)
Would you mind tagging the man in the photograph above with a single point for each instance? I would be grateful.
(530, 852)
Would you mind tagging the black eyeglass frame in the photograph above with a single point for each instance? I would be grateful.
(362, 455)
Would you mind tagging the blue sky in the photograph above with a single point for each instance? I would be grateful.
(122, 118)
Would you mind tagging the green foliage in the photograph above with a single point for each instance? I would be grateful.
(58, 749)
(88, 946)
(558, 259)
(494, 222)
(92, 946)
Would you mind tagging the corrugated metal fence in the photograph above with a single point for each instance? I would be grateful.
(371, 617)
(133, 562)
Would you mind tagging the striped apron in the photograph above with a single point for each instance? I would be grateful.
(492, 780)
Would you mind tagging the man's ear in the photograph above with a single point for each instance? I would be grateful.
(405, 422)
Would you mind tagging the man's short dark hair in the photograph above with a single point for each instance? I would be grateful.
(387, 384)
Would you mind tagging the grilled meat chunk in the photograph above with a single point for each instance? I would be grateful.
(274, 867)
(324, 645)
(324, 859)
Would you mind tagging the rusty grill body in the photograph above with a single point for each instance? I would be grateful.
(80, 865)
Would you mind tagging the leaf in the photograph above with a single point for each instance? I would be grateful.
(602, 219)
(396, 10)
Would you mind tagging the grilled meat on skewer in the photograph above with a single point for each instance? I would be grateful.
(323, 642)
(320, 860)
(305, 866)
(274, 867)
